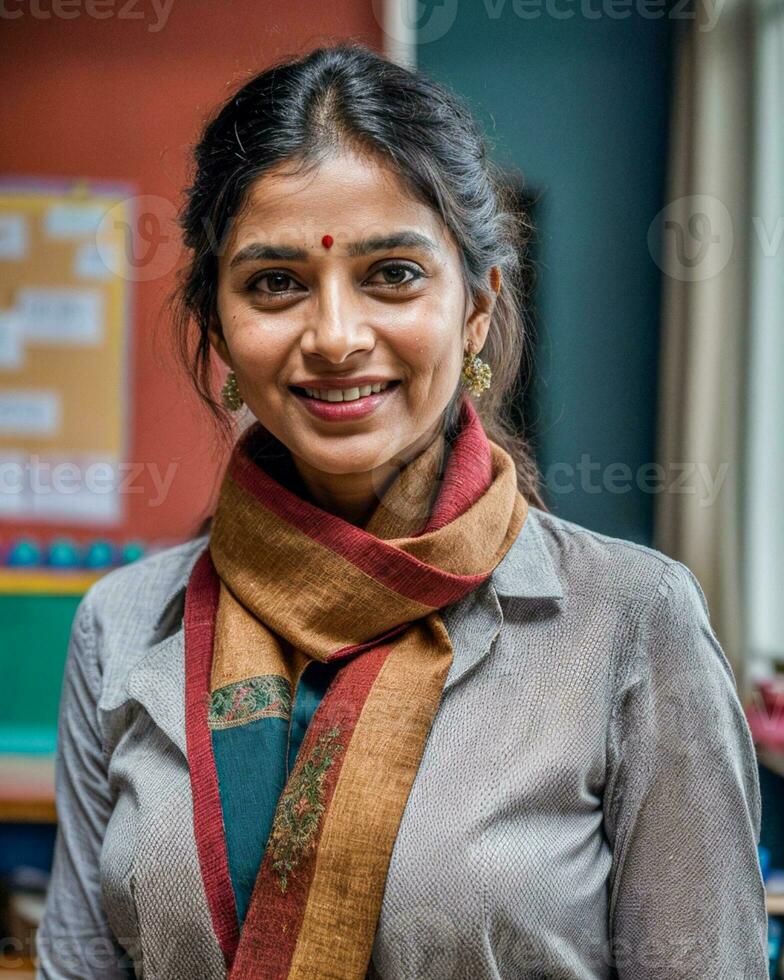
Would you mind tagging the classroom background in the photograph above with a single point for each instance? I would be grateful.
(645, 140)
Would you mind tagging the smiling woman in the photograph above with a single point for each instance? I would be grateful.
(388, 717)
(388, 309)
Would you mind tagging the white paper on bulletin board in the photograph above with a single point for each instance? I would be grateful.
(64, 346)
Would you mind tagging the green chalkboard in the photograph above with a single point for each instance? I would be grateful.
(34, 632)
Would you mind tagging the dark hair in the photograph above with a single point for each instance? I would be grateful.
(348, 96)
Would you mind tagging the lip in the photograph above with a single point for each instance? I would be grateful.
(345, 411)
(327, 383)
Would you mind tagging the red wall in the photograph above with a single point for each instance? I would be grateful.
(123, 98)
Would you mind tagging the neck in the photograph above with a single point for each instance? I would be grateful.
(355, 496)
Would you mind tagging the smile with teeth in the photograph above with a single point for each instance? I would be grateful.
(345, 394)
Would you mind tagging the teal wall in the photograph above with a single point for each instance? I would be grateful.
(581, 107)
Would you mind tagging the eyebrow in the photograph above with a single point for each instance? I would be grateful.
(379, 243)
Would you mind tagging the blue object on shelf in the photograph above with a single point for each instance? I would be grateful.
(24, 553)
(63, 553)
(131, 550)
(99, 554)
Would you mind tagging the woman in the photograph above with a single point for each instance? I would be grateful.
(387, 716)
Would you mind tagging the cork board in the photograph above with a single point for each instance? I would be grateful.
(65, 290)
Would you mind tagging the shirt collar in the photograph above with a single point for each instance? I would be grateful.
(527, 570)
(172, 606)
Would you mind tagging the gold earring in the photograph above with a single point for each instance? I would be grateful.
(232, 399)
(476, 374)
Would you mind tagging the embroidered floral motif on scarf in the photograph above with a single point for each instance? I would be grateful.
(301, 805)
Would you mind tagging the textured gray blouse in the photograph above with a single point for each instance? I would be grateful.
(587, 806)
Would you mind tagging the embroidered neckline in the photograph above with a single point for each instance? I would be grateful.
(265, 696)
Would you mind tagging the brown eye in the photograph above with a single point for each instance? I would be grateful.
(396, 274)
(278, 282)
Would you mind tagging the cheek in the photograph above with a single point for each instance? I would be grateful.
(429, 349)
(258, 351)
(425, 332)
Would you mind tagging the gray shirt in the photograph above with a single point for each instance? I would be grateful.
(587, 805)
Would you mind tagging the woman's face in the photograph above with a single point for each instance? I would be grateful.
(385, 304)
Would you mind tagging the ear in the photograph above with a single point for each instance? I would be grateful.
(215, 334)
(478, 322)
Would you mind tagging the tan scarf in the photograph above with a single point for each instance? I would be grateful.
(284, 583)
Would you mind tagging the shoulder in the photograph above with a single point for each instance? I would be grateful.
(141, 590)
(130, 608)
(641, 605)
(594, 565)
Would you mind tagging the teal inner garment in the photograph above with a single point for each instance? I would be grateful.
(250, 762)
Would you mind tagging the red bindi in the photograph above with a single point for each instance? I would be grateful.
(327, 241)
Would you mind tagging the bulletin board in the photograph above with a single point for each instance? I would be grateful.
(65, 297)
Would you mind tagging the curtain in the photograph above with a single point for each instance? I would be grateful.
(764, 466)
(701, 515)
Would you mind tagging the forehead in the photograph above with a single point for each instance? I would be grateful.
(348, 196)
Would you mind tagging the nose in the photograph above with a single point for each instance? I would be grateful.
(338, 329)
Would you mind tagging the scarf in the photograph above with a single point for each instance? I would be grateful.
(284, 587)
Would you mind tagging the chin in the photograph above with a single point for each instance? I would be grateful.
(341, 459)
